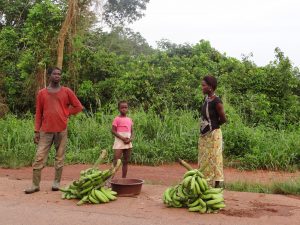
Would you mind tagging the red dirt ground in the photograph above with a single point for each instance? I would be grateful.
(46, 207)
(165, 174)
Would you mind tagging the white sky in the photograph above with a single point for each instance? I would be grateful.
(233, 26)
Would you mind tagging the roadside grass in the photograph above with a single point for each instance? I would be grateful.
(159, 139)
(291, 187)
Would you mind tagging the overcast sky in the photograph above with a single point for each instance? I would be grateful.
(233, 26)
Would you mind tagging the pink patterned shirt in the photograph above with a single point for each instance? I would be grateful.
(123, 124)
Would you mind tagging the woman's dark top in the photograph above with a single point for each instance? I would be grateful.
(213, 114)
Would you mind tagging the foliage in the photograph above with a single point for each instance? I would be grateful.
(158, 139)
(14, 13)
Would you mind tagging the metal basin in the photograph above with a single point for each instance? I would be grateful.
(127, 186)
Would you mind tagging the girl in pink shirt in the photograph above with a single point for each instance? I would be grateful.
(122, 129)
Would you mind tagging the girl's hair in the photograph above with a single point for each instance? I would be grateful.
(211, 81)
(121, 102)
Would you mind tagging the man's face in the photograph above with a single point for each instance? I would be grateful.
(55, 76)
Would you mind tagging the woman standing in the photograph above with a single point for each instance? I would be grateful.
(210, 159)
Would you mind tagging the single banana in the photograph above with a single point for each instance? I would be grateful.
(202, 203)
(215, 196)
(195, 209)
(189, 173)
(193, 184)
(202, 210)
(197, 187)
(214, 191)
(86, 190)
(175, 197)
(176, 204)
(201, 184)
(186, 181)
(93, 200)
(219, 205)
(200, 174)
(195, 203)
(86, 184)
(214, 201)
(167, 194)
(93, 194)
(106, 198)
(180, 192)
(83, 200)
(100, 196)
(108, 194)
(205, 183)
(206, 197)
(112, 192)
(94, 175)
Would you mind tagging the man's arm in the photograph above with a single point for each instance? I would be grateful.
(38, 117)
(38, 113)
(75, 104)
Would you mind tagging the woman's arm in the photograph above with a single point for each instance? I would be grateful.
(221, 112)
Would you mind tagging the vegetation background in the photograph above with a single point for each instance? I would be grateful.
(105, 61)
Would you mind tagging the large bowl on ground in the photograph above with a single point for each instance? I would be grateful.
(127, 186)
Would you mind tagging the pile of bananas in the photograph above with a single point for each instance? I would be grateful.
(194, 193)
(89, 188)
(97, 196)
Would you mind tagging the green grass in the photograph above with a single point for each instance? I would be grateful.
(158, 139)
(291, 187)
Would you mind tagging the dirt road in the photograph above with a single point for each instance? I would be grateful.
(46, 207)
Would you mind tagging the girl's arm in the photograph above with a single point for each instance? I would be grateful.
(114, 132)
(128, 140)
(132, 134)
(221, 112)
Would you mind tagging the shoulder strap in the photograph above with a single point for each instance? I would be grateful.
(207, 114)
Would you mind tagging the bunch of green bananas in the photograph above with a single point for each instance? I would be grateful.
(97, 196)
(90, 186)
(194, 193)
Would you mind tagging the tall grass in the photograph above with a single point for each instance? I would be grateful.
(289, 187)
(158, 139)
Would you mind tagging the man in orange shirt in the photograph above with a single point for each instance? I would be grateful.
(54, 105)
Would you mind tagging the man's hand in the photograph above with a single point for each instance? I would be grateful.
(36, 138)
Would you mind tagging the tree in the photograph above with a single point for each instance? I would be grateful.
(14, 13)
(69, 20)
(120, 12)
(113, 12)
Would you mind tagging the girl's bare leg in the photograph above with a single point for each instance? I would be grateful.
(117, 155)
(126, 158)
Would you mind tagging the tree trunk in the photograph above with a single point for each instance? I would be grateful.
(71, 14)
(41, 78)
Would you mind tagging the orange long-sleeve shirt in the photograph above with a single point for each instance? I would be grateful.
(53, 109)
